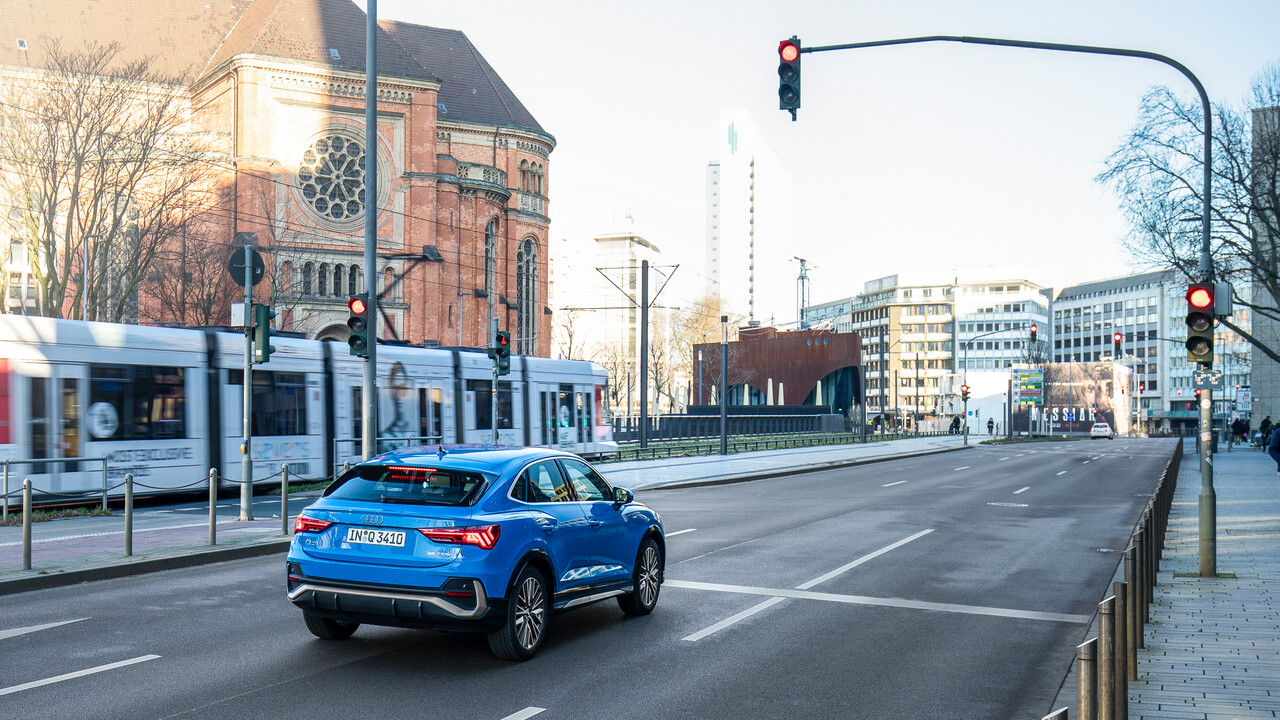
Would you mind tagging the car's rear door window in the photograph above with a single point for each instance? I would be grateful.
(587, 483)
(408, 485)
(541, 482)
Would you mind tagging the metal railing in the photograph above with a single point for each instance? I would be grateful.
(129, 484)
(1106, 664)
(4, 489)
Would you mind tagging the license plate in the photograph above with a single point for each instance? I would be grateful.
(371, 536)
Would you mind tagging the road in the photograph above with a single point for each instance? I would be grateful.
(947, 586)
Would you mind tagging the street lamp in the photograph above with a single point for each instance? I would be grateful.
(724, 383)
(84, 278)
(965, 381)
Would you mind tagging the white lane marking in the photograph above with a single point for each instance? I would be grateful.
(525, 714)
(1064, 472)
(1008, 505)
(1019, 492)
(6, 634)
(963, 467)
(863, 559)
(736, 618)
(885, 602)
(77, 674)
(1004, 458)
(900, 482)
(121, 532)
(681, 532)
(1086, 462)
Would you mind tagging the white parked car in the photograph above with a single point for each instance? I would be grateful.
(1101, 429)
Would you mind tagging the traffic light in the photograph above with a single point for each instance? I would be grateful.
(502, 351)
(1142, 387)
(789, 75)
(1116, 339)
(964, 393)
(1200, 323)
(359, 325)
(1033, 332)
(262, 315)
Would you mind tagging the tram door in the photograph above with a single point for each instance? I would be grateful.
(566, 418)
(54, 407)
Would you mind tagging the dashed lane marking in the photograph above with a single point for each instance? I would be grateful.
(900, 482)
(1019, 492)
(963, 467)
(525, 714)
(77, 674)
(6, 634)
(1064, 472)
(681, 532)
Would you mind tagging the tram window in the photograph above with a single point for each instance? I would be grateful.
(149, 402)
(279, 404)
(484, 404)
(429, 408)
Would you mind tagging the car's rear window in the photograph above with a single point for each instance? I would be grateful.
(408, 485)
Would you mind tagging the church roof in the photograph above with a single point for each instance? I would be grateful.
(471, 89)
(192, 38)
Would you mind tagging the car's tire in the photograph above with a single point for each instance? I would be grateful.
(528, 610)
(646, 581)
(328, 629)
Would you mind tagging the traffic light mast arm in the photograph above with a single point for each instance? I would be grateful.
(1206, 260)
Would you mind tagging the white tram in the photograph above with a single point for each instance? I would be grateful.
(167, 404)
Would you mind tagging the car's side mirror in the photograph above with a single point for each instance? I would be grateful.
(622, 496)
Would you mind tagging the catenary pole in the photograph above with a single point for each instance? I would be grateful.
(369, 425)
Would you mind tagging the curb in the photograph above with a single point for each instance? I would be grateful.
(819, 467)
(44, 580)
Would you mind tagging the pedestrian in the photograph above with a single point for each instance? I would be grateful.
(1273, 449)
(1265, 427)
(991, 426)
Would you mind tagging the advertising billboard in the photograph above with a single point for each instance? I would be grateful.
(1074, 397)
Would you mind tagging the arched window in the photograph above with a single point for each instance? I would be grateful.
(353, 280)
(308, 271)
(524, 175)
(337, 280)
(490, 257)
(322, 283)
(538, 175)
(389, 282)
(527, 296)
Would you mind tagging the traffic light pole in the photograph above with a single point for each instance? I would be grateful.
(1208, 514)
(369, 395)
(246, 449)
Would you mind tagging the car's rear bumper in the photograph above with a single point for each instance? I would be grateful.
(460, 605)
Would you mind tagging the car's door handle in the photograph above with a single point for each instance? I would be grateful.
(596, 524)
(547, 527)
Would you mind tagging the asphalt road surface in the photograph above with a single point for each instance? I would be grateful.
(948, 586)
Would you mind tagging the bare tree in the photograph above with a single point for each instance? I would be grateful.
(99, 161)
(190, 281)
(622, 371)
(1158, 175)
(567, 331)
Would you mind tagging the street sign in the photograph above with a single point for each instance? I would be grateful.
(1207, 379)
(236, 266)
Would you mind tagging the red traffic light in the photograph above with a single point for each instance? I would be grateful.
(788, 51)
(1200, 297)
(1117, 337)
(964, 388)
(357, 305)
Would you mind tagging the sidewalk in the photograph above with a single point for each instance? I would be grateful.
(76, 550)
(1213, 646)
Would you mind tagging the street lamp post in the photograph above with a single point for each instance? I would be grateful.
(84, 278)
(965, 381)
(724, 384)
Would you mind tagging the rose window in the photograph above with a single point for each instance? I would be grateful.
(331, 177)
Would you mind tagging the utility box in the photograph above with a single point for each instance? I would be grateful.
(240, 315)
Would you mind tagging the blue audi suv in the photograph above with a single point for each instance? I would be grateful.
(475, 538)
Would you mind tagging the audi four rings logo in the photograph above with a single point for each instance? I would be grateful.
(372, 519)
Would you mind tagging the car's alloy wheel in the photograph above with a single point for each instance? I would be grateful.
(647, 581)
(526, 623)
(329, 629)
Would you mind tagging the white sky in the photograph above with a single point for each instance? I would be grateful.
(918, 157)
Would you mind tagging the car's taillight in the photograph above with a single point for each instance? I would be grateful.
(305, 523)
(483, 536)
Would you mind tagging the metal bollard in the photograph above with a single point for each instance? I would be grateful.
(1107, 659)
(1121, 671)
(284, 499)
(6, 491)
(1087, 680)
(1059, 714)
(213, 506)
(1135, 606)
(26, 524)
(1140, 540)
(128, 515)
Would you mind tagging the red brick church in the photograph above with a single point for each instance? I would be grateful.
(278, 88)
